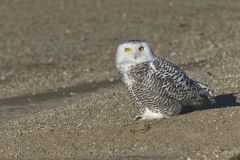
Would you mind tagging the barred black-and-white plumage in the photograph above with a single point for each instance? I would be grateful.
(158, 87)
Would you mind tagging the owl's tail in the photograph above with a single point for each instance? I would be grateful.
(205, 93)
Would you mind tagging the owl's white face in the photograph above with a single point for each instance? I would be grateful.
(133, 52)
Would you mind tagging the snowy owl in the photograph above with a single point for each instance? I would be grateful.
(159, 88)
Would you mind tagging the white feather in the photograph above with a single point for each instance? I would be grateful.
(148, 115)
(128, 80)
(153, 67)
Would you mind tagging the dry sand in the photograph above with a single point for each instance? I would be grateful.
(60, 93)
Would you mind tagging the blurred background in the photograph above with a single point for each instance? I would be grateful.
(48, 44)
(49, 49)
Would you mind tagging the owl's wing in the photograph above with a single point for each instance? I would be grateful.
(175, 82)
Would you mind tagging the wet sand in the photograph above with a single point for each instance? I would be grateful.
(61, 97)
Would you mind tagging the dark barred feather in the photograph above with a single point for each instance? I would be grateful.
(163, 87)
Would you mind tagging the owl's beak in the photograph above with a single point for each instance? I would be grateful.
(136, 55)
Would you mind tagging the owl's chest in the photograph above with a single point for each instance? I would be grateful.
(139, 78)
(128, 80)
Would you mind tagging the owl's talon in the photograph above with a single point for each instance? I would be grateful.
(138, 118)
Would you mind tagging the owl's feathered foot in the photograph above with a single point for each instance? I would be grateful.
(149, 115)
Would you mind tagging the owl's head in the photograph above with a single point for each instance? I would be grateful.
(133, 52)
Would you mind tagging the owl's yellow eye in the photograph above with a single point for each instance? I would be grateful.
(128, 49)
(141, 49)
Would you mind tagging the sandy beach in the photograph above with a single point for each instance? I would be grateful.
(61, 97)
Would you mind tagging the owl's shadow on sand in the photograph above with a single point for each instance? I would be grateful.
(221, 101)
